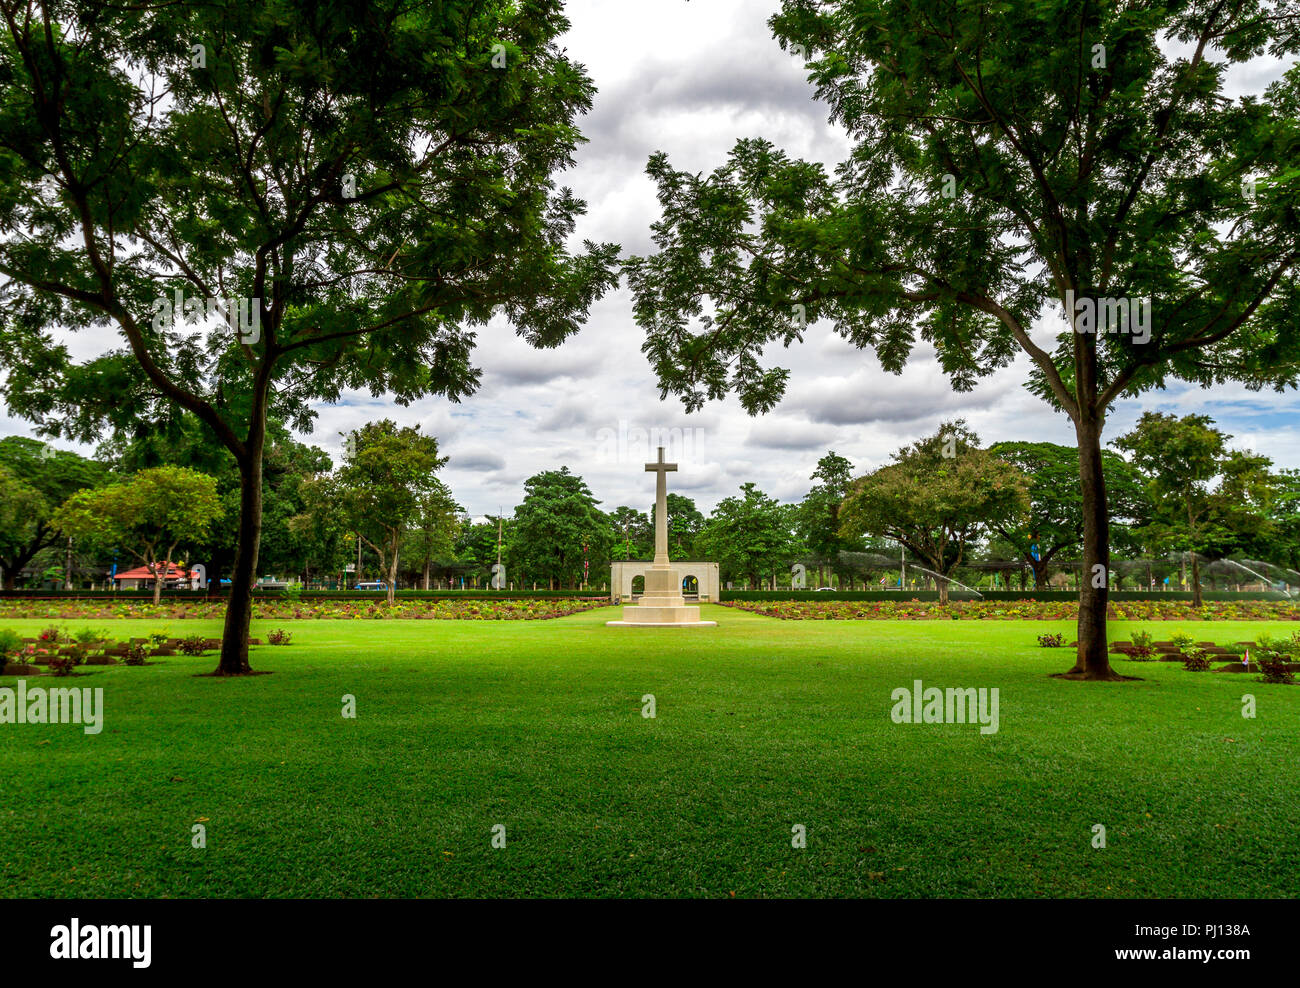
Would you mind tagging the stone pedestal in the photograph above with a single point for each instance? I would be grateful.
(662, 605)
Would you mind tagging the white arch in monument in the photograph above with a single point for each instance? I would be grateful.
(622, 572)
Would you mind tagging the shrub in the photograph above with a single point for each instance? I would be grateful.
(158, 638)
(90, 636)
(1140, 649)
(135, 654)
(194, 645)
(279, 637)
(11, 643)
(1051, 641)
(1274, 668)
(1182, 639)
(51, 635)
(1196, 660)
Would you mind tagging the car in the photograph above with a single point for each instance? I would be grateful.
(820, 589)
(371, 585)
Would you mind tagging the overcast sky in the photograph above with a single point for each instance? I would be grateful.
(690, 78)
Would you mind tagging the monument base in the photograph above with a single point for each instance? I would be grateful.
(661, 612)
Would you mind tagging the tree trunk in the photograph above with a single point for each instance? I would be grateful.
(1196, 582)
(392, 576)
(217, 563)
(157, 585)
(1093, 659)
(11, 579)
(942, 584)
(1040, 574)
(239, 609)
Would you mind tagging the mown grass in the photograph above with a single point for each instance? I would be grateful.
(761, 724)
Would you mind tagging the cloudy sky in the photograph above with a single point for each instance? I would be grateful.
(690, 78)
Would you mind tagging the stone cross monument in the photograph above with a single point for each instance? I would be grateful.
(662, 604)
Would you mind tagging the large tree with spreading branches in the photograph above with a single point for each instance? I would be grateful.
(258, 206)
(1078, 164)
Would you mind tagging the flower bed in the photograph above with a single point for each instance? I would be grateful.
(524, 609)
(1026, 610)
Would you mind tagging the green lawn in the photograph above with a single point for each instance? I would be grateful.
(761, 725)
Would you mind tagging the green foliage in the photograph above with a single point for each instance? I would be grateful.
(1275, 668)
(634, 536)
(998, 176)
(434, 527)
(150, 514)
(365, 181)
(937, 497)
(193, 645)
(750, 536)
(11, 643)
(685, 522)
(1203, 497)
(385, 486)
(818, 518)
(1054, 522)
(557, 526)
(34, 479)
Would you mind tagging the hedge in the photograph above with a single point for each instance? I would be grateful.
(931, 595)
(195, 595)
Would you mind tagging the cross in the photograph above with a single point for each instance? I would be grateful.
(661, 506)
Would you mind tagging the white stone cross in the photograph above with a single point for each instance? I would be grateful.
(661, 506)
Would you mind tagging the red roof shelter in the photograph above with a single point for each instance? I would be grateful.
(170, 573)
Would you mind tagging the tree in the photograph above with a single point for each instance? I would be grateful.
(178, 438)
(150, 514)
(748, 535)
(999, 175)
(35, 478)
(635, 534)
(684, 524)
(319, 529)
(558, 527)
(1285, 545)
(433, 529)
(1205, 498)
(382, 487)
(1054, 524)
(342, 191)
(476, 547)
(23, 512)
(936, 498)
(819, 513)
